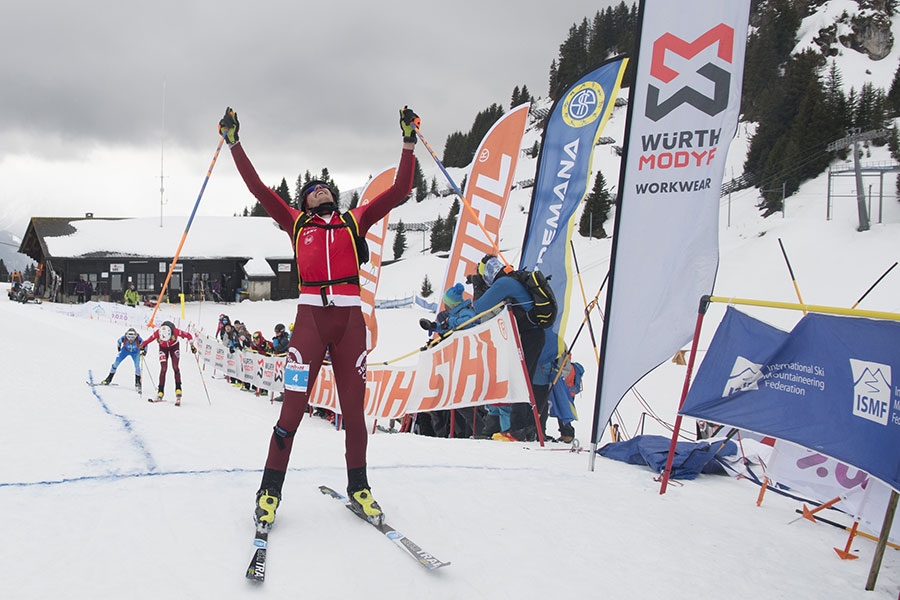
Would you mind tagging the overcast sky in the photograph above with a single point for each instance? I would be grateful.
(102, 97)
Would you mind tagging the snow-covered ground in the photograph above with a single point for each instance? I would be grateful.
(106, 495)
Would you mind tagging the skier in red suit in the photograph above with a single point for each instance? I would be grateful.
(167, 337)
(329, 315)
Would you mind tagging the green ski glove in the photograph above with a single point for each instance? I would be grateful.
(229, 126)
(409, 123)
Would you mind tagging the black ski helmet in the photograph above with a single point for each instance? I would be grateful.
(304, 191)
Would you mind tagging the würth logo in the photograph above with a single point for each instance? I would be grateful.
(721, 35)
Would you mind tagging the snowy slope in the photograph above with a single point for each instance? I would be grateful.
(107, 495)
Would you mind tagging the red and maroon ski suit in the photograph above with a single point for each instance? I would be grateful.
(329, 317)
(168, 349)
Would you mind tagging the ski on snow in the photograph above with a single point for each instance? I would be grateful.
(158, 399)
(257, 569)
(100, 384)
(426, 559)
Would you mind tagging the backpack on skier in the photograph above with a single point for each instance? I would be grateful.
(348, 221)
(543, 313)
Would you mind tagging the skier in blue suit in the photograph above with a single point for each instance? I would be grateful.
(128, 345)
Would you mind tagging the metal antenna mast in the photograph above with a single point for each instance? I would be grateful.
(162, 145)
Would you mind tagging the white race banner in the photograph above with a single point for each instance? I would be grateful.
(682, 115)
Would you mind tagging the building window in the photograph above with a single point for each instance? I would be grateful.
(145, 282)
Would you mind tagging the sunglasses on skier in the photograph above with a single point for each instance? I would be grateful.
(315, 188)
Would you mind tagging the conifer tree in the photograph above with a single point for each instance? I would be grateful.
(426, 289)
(283, 192)
(573, 54)
(590, 43)
(836, 103)
(301, 181)
(596, 210)
(871, 110)
(526, 95)
(553, 78)
(437, 233)
(459, 149)
(453, 215)
(455, 150)
(399, 240)
(4, 272)
(893, 95)
(520, 97)
(419, 183)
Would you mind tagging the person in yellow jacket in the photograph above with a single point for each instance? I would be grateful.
(132, 297)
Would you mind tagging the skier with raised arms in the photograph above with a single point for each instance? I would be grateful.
(329, 314)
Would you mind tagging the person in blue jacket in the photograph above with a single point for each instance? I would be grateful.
(281, 340)
(128, 345)
(458, 311)
(510, 290)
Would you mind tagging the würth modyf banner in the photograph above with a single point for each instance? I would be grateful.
(576, 121)
(682, 115)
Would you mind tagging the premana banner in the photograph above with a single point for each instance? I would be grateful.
(576, 121)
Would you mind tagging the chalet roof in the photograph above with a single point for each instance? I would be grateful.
(252, 238)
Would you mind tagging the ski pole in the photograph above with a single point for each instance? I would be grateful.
(791, 271)
(587, 315)
(146, 368)
(459, 193)
(202, 379)
(435, 341)
(861, 534)
(584, 299)
(186, 229)
(873, 285)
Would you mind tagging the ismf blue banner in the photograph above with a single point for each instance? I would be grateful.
(564, 168)
(831, 385)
